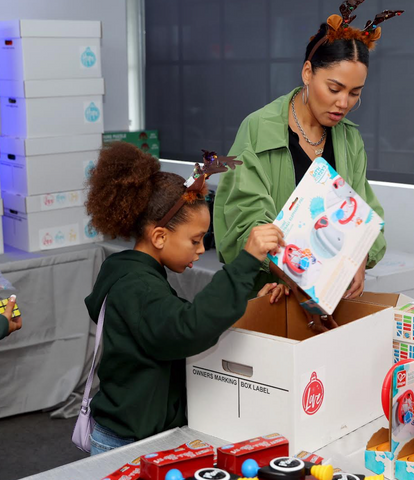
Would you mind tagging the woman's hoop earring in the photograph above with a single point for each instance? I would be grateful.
(303, 94)
(359, 104)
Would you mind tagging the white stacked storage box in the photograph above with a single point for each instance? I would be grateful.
(51, 93)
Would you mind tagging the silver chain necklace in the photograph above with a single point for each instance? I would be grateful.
(318, 151)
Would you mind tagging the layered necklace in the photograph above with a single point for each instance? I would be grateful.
(318, 151)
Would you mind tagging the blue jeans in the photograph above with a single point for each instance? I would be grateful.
(103, 439)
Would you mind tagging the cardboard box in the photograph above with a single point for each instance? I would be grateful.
(45, 49)
(328, 231)
(47, 108)
(45, 222)
(47, 172)
(395, 445)
(261, 449)
(270, 372)
(50, 29)
(188, 458)
(49, 58)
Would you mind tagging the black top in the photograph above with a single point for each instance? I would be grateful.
(301, 161)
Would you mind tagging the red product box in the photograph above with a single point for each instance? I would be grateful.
(309, 457)
(129, 471)
(262, 449)
(187, 458)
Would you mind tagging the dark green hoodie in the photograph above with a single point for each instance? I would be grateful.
(148, 333)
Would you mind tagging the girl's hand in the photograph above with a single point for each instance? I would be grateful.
(357, 285)
(15, 323)
(276, 290)
(264, 239)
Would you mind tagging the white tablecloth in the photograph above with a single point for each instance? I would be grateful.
(346, 453)
(43, 363)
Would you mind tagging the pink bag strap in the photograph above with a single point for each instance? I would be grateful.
(99, 328)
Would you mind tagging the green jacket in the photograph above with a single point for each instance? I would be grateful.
(256, 191)
(148, 332)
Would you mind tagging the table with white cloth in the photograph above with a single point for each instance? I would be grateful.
(42, 364)
(346, 453)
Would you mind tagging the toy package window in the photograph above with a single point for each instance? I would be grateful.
(328, 230)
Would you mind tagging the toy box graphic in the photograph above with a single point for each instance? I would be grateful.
(328, 230)
(261, 449)
(404, 323)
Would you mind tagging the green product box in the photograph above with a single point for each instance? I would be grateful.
(146, 140)
(131, 137)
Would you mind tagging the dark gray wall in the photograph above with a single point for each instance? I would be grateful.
(209, 63)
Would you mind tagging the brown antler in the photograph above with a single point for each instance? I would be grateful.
(381, 17)
(214, 164)
(347, 8)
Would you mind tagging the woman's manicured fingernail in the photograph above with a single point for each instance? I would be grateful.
(13, 298)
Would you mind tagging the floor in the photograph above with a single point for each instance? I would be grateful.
(32, 443)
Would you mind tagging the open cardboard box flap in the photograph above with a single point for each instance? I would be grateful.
(287, 319)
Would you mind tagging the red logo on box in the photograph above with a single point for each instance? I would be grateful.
(401, 379)
(313, 395)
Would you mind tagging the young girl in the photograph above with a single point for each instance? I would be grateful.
(148, 330)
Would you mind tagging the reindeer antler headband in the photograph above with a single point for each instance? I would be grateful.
(195, 184)
(339, 26)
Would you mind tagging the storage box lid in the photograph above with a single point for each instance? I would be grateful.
(42, 203)
(50, 28)
(51, 88)
(49, 145)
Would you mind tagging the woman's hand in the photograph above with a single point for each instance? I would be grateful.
(357, 285)
(264, 239)
(276, 290)
(15, 323)
(320, 323)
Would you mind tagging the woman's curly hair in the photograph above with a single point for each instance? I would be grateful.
(127, 192)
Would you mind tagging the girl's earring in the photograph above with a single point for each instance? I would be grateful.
(359, 104)
(305, 88)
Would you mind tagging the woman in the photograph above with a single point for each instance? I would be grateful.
(278, 143)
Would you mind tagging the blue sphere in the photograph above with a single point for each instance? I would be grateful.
(250, 468)
(174, 474)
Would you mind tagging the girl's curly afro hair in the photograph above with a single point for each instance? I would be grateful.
(127, 192)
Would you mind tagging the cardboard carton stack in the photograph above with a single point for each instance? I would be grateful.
(51, 91)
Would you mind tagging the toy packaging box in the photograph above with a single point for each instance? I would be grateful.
(403, 344)
(145, 140)
(187, 458)
(391, 451)
(270, 372)
(261, 449)
(328, 230)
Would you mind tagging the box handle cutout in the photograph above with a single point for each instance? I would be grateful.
(237, 368)
(293, 203)
(8, 42)
(12, 100)
(11, 157)
(14, 212)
